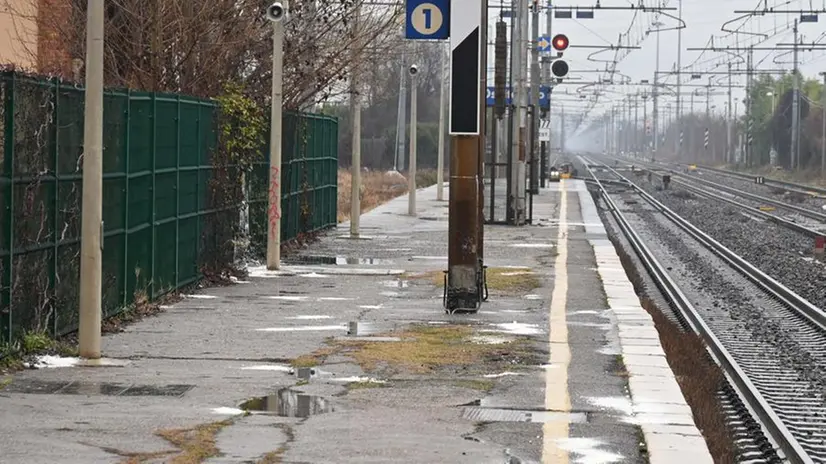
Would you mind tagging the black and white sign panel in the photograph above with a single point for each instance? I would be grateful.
(465, 66)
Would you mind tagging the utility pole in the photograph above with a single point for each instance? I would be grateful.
(534, 97)
(91, 244)
(355, 112)
(794, 152)
(398, 161)
(823, 134)
(546, 75)
(679, 115)
(440, 160)
(729, 155)
(518, 73)
(748, 153)
(656, 92)
(411, 171)
(636, 123)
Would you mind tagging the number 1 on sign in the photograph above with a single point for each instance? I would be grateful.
(426, 19)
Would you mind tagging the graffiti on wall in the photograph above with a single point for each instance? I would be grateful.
(274, 210)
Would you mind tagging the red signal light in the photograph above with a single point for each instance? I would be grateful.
(560, 42)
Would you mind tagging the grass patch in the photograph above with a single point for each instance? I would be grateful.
(316, 358)
(504, 280)
(472, 384)
(13, 354)
(377, 187)
(197, 444)
(425, 348)
(5, 382)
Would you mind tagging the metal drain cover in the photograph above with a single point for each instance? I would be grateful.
(519, 415)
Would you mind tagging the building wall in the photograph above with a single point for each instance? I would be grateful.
(54, 21)
(18, 33)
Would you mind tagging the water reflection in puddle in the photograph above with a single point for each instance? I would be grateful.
(288, 403)
(337, 260)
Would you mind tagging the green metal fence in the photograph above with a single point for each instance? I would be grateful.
(163, 220)
(309, 180)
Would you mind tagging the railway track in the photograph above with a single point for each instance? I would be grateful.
(807, 220)
(770, 342)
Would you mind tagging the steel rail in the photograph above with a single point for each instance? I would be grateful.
(790, 186)
(780, 204)
(771, 422)
(771, 217)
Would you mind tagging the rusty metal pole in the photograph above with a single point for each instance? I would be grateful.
(467, 99)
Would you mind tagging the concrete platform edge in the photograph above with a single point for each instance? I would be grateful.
(658, 403)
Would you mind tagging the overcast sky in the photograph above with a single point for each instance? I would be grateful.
(703, 19)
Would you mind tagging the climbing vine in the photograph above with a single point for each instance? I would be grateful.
(243, 127)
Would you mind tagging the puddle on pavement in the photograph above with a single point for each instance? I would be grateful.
(288, 403)
(42, 387)
(337, 260)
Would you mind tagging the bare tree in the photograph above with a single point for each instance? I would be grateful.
(195, 46)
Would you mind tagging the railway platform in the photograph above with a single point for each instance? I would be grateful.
(347, 355)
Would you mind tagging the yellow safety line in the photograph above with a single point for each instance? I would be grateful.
(556, 378)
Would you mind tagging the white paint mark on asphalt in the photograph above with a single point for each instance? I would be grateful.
(201, 297)
(531, 296)
(516, 273)
(286, 297)
(370, 306)
(335, 298)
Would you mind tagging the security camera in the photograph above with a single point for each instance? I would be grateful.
(276, 11)
(413, 70)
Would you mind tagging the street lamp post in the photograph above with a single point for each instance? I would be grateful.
(275, 13)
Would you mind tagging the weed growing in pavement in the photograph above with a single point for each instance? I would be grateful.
(474, 384)
(423, 349)
(14, 354)
(194, 445)
(197, 444)
(313, 359)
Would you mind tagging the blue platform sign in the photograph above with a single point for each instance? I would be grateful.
(544, 93)
(427, 19)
